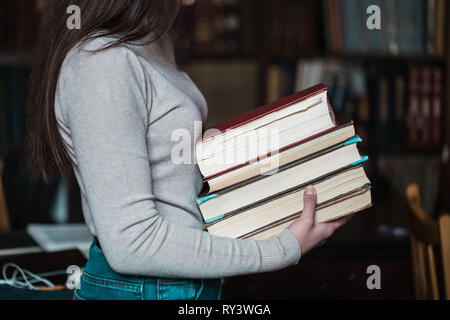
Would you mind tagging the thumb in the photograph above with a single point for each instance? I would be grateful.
(309, 205)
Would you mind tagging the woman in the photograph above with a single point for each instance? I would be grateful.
(104, 101)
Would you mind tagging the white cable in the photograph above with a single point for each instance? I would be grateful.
(24, 282)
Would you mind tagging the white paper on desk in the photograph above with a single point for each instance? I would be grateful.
(60, 237)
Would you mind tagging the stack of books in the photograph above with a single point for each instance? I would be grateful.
(258, 165)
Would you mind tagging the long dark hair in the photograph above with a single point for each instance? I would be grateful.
(126, 20)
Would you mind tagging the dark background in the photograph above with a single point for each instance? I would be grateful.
(243, 54)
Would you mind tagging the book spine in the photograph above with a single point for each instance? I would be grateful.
(383, 110)
(437, 106)
(264, 110)
(400, 107)
(327, 24)
(208, 223)
(413, 110)
(431, 26)
(334, 24)
(275, 17)
(204, 35)
(425, 108)
(440, 27)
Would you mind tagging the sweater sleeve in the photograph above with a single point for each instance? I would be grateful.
(104, 105)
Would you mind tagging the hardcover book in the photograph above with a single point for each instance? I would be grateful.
(292, 119)
(259, 197)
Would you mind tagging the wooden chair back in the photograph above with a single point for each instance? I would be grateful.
(425, 234)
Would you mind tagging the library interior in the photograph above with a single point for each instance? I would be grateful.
(385, 64)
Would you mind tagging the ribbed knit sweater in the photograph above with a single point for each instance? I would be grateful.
(117, 112)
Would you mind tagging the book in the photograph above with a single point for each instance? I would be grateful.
(288, 27)
(274, 80)
(302, 171)
(291, 119)
(346, 205)
(340, 134)
(258, 199)
(425, 107)
(436, 106)
(440, 27)
(431, 26)
(219, 29)
(329, 189)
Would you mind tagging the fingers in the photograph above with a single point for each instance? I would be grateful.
(309, 205)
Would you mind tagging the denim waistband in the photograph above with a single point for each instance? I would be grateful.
(100, 281)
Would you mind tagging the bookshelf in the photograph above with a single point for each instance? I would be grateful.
(255, 33)
(379, 230)
(256, 53)
(266, 55)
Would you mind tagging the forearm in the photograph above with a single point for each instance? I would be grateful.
(156, 247)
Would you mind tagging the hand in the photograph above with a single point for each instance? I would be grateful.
(308, 233)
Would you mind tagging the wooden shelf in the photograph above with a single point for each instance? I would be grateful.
(361, 57)
(188, 59)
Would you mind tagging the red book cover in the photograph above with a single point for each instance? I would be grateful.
(425, 107)
(338, 23)
(342, 120)
(413, 112)
(437, 106)
(265, 110)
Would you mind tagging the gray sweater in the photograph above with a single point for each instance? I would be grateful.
(117, 110)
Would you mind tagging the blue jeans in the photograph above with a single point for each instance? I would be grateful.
(100, 282)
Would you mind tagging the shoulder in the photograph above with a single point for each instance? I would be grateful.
(91, 60)
(103, 80)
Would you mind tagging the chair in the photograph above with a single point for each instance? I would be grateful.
(4, 218)
(425, 234)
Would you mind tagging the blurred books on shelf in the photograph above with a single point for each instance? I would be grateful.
(408, 26)
(223, 27)
(404, 100)
(254, 188)
(425, 106)
(290, 28)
